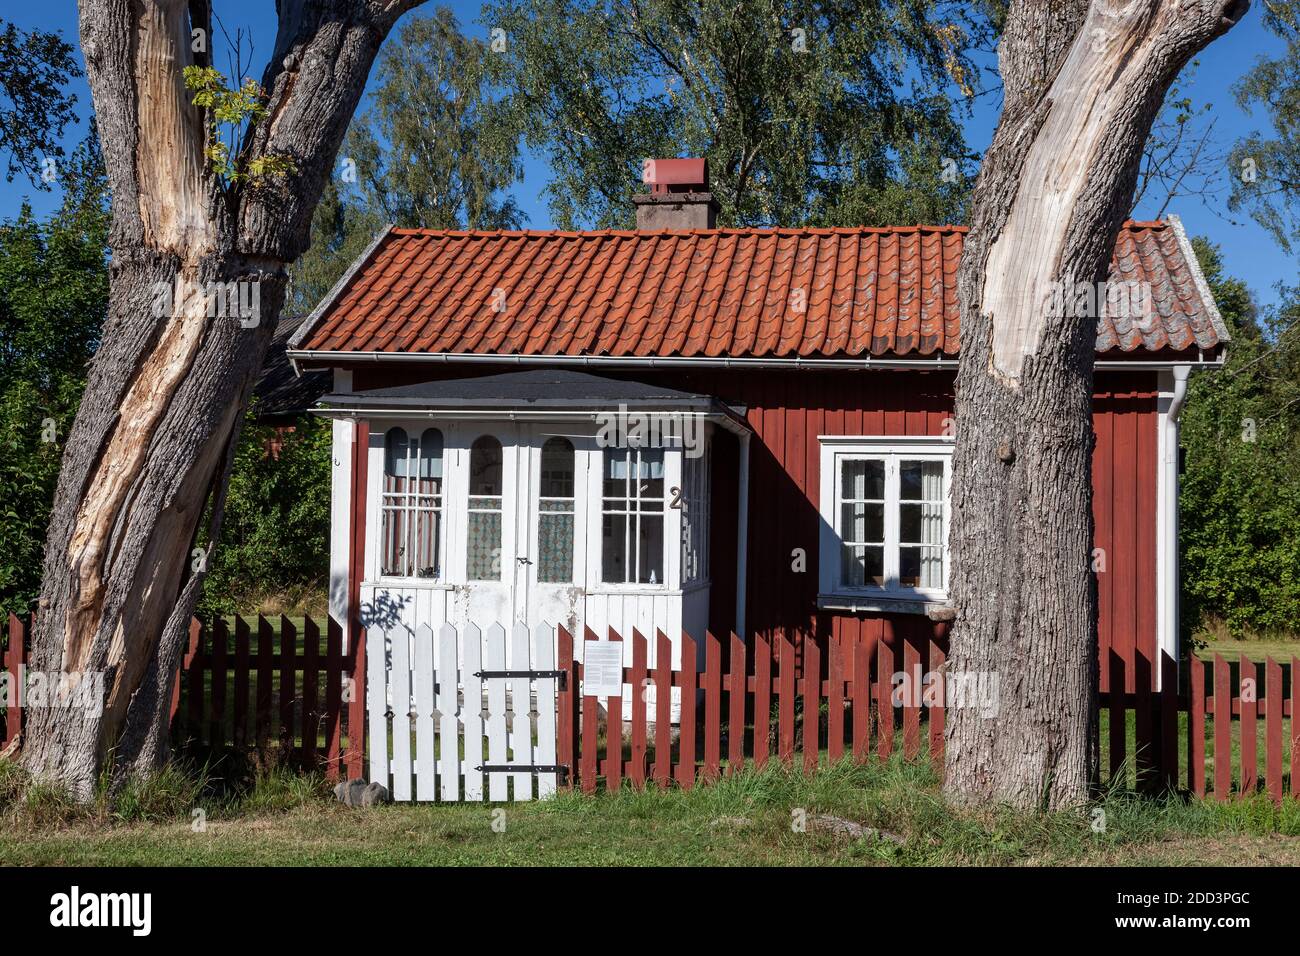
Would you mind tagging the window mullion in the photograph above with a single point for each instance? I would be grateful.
(634, 515)
(891, 523)
(838, 520)
(411, 542)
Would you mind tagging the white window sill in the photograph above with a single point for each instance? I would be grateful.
(882, 602)
(430, 584)
(634, 589)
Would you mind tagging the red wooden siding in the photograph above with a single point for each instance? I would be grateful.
(1124, 484)
(789, 409)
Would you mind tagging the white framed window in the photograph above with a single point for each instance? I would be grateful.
(884, 508)
(411, 529)
(632, 516)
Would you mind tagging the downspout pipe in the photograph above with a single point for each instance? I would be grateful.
(1169, 547)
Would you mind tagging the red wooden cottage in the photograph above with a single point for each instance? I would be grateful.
(682, 426)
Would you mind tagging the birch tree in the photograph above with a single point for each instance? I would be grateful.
(139, 497)
(1083, 82)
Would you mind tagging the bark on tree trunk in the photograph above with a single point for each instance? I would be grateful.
(149, 452)
(1083, 82)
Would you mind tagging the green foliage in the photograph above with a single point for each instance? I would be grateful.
(434, 148)
(275, 532)
(809, 113)
(1266, 166)
(13, 782)
(53, 297)
(341, 229)
(449, 149)
(1240, 492)
(169, 794)
(279, 790)
(229, 111)
(35, 66)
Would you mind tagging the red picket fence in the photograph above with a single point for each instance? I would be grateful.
(1211, 723)
(1226, 698)
(750, 703)
(1141, 750)
(246, 687)
(803, 702)
(13, 655)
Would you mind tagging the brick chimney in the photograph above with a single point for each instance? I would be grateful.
(679, 196)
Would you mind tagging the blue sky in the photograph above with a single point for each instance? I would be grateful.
(1249, 252)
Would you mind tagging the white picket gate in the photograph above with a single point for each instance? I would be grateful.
(451, 712)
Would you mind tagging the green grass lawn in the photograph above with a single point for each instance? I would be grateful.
(751, 819)
(1279, 649)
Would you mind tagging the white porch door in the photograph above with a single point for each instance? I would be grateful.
(553, 557)
(490, 543)
(525, 528)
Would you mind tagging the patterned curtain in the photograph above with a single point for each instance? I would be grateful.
(483, 555)
(555, 513)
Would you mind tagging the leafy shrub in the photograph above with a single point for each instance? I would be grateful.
(1240, 490)
(275, 533)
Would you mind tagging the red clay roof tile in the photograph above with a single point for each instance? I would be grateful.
(715, 292)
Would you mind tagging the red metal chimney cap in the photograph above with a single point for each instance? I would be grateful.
(676, 175)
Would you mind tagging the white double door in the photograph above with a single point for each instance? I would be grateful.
(525, 526)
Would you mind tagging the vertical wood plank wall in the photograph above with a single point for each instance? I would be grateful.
(789, 409)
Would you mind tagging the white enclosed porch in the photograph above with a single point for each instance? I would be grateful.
(541, 497)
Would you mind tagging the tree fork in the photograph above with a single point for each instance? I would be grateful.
(151, 443)
(1083, 82)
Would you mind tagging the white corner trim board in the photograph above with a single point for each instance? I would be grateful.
(1173, 391)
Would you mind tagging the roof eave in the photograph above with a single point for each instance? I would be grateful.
(309, 324)
(938, 361)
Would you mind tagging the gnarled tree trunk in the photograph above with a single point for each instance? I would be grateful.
(149, 452)
(1083, 82)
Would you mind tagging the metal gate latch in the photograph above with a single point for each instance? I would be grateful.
(533, 768)
(561, 676)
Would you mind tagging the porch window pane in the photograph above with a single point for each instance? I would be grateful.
(632, 526)
(650, 550)
(920, 524)
(555, 513)
(695, 503)
(411, 504)
(483, 557)
(613, 557)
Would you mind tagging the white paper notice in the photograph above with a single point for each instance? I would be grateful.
(602, 668)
